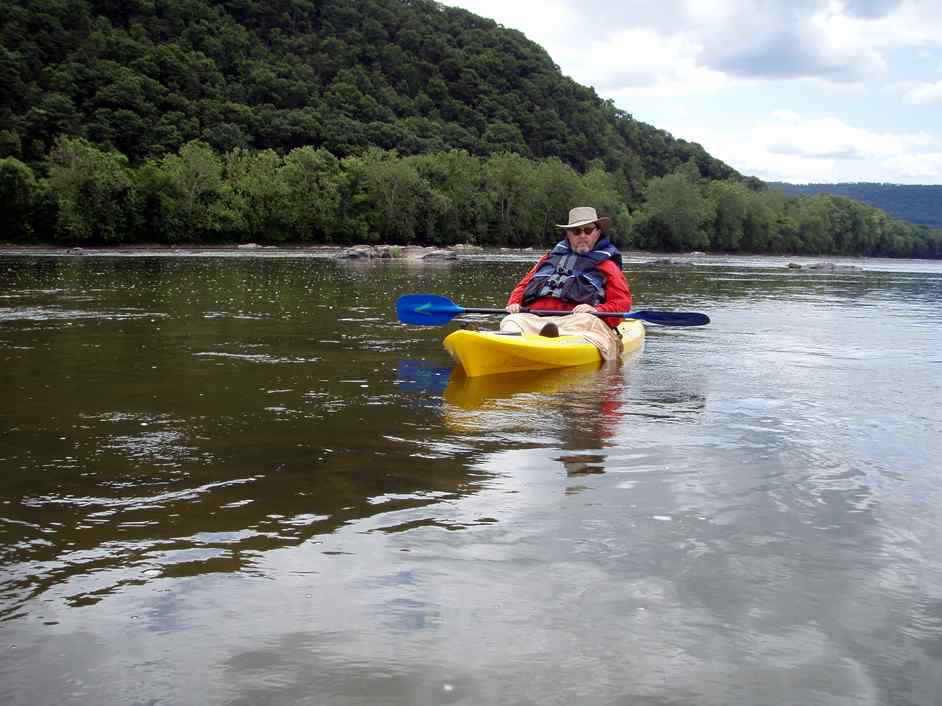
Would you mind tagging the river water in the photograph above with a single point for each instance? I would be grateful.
(236, 479)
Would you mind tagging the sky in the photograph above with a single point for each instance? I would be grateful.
(803, 91)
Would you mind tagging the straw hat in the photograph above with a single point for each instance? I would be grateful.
(582, 215)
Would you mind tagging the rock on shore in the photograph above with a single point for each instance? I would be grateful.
(408, 252)
(825, 267)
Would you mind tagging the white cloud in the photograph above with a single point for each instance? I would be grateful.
(788, 116)
(620, 46)
(917, 168)
(786, 40)
(921, 92)
(914, 23)
(641, 62)
(870, 8)
(748, 48)
(832, 138)
(790, 148)
(546, 24)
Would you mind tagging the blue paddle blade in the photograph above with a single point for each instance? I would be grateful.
(426, 309)
(671, 318)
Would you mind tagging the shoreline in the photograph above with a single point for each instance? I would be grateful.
(378, 251)
(418, 254)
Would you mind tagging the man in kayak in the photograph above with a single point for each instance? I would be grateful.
(581, 274)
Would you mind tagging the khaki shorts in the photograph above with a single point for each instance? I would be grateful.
(592, 328)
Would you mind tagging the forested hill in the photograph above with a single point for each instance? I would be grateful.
(146, 77)
(917, 203)
(313, 121)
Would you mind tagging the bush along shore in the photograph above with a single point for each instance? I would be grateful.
(82, 194)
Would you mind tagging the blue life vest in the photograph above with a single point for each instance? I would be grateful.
(572, 277)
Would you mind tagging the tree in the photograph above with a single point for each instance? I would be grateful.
(731, 201)
(504, 137)
(508, 179)
(675, 202)
(606, 192)
(19, 194)
(458, 177)
(556, 187)
(312, 178)
(10, 145)
(53, 115)
(190, 190)
(256, 189)
(396, 192)
(813, 226)
(758, 222)
(94, 191)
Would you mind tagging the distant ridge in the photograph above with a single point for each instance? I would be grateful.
(920, 204)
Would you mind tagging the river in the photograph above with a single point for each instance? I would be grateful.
(234, 478)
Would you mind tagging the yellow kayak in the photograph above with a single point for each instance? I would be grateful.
(489, 352)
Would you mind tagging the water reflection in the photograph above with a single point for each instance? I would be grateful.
(493, 391)
(422, 376)
(240, 478)
(226, 420)
(577, 410)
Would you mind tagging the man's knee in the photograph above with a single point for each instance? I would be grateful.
(509, 325)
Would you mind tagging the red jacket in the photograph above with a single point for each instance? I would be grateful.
(617, 293)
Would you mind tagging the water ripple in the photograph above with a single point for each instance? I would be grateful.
(57, 314)
(143, 501)
(257, 357)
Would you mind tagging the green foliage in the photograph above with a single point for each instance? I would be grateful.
(10, 144)
(732, 210)
(198, 195)
(399, 197)
(20, 194)
(676, 215)
(917, 203)
(186, 193)
(606, 192)
(257, 194)
(417, 77)
(458, 177)
(312, 179)
(553, 185)
(509, 183)
(95, 193)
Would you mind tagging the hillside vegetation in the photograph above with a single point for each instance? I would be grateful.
(916, 203)
(146, 77)
(353, 120)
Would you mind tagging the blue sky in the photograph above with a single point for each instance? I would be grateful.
(785, 90)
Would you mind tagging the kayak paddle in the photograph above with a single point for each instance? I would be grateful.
(434, 310)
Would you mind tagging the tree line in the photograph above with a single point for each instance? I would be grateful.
(917, 203)
(197, 195)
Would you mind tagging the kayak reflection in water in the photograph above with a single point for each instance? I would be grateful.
(591, 425)
(581, 274)
(580, 407)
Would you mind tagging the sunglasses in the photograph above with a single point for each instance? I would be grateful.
(585, 230)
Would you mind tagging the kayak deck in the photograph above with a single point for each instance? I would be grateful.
(488, 352)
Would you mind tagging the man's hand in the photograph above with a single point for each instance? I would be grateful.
(513, 308)
(583, 309)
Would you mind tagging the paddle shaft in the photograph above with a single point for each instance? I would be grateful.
(546, 312)
(435, 310)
